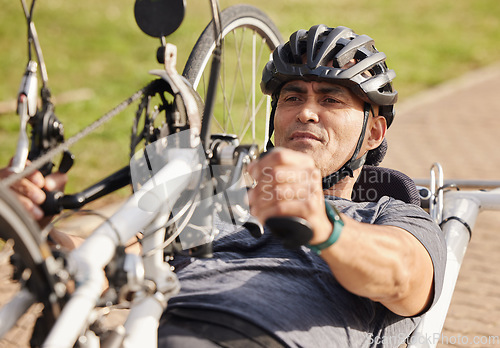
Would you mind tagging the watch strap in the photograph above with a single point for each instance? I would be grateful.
(338, 224)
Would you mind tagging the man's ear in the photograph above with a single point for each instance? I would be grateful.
(375, 132)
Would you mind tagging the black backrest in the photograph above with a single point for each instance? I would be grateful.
(376, 182)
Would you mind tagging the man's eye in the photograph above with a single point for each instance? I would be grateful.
(291, 99)
(331, 100)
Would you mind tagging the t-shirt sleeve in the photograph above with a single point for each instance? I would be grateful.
(419, 223)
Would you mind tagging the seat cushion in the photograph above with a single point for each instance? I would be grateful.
(376, 182)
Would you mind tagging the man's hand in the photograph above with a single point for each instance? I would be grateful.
(29, 190)
(384, 263)
(289, 184)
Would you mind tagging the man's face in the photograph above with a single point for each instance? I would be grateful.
(321, 119)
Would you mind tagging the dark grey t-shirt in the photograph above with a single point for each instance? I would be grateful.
(293, 294)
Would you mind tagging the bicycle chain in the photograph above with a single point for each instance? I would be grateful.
(42, 160)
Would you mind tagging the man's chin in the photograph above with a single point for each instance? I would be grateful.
(309, 146)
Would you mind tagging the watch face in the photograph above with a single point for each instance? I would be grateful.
(332, 213)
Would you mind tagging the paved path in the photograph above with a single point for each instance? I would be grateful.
(458, 125)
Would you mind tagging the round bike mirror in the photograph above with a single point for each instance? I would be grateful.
(158, 18)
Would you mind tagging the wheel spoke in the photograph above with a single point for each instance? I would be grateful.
(251, 115)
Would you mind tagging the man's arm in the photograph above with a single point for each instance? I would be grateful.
(384, 263)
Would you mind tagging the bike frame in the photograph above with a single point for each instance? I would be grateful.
(149, 276)
(456, 212)
(88, 261)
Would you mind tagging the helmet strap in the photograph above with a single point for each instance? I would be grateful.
(354, 163)
(274, 103)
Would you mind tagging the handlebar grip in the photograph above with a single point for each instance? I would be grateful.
(293, 231)
(52, 205)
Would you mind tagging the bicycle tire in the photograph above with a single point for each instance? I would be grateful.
(235, 21)
(21, 249)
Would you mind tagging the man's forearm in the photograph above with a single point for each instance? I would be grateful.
(65, 240)
(384, 263)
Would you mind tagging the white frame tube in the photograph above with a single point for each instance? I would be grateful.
(466, 206)
(142, 322)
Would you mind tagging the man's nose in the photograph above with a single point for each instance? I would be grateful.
(308, 113)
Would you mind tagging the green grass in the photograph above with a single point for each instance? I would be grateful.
(96, 44)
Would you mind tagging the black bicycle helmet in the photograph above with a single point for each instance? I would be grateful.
(335, 55)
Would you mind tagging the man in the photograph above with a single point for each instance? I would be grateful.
(369, 270)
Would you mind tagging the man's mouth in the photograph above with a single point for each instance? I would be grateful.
(301, 135)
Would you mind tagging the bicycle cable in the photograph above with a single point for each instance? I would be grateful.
(68, 214)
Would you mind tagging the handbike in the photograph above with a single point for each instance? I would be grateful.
(67, 287)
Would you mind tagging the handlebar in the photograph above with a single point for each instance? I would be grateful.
(57, 201)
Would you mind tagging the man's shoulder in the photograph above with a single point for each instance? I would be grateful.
(370, 212)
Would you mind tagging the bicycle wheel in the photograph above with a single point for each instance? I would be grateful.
(26, 287)
(249, 37)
